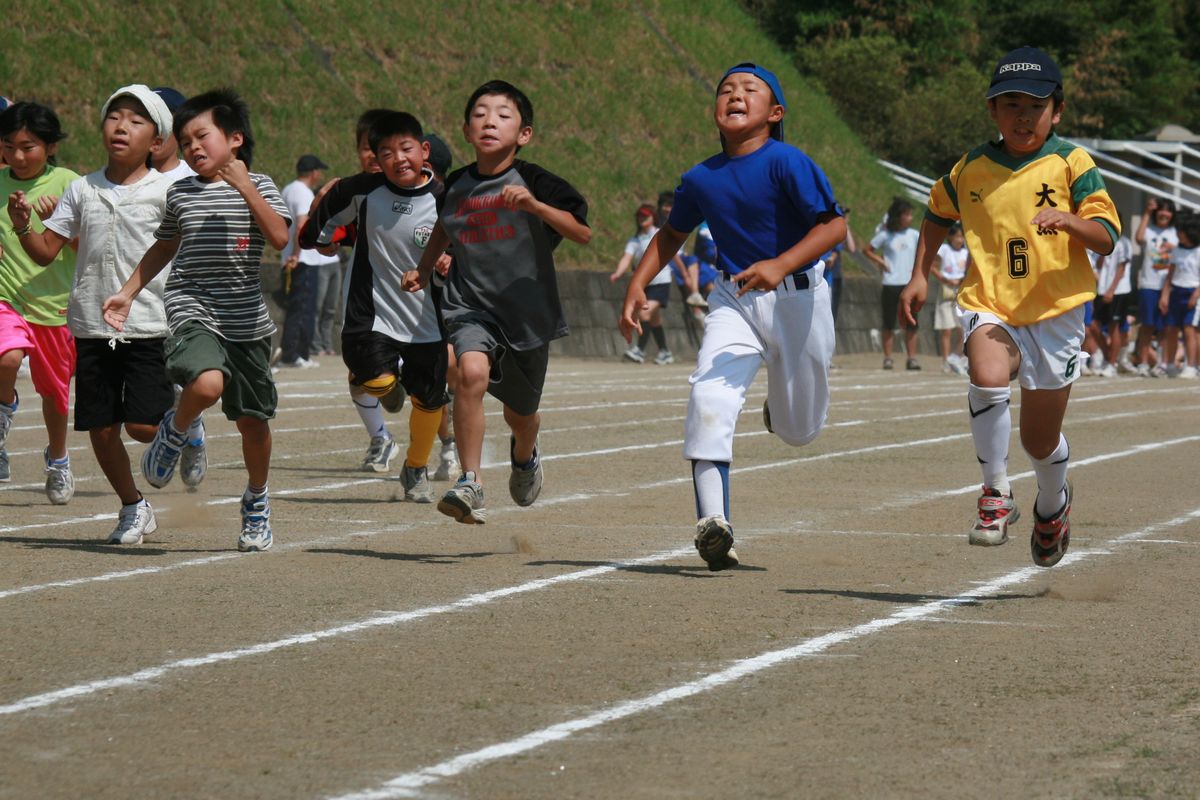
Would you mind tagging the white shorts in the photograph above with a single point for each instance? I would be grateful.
(788, 329)
(1049, 349)
(947, 316)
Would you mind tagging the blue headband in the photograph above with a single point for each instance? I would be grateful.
(767, 77)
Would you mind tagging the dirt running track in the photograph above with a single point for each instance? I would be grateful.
(580, 649)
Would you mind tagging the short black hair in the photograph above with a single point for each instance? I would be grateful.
(39, 120)
(366, 120)
(393, 123)
(505, 89)
(1188, 223)
(229, 112)
(899, 206)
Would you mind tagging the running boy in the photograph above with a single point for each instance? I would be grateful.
(504, 216)
(215, 226)
(113, 212)
(390, 335)
(772, 214)
(1031, 206)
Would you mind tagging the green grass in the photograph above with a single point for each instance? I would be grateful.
(622, 91)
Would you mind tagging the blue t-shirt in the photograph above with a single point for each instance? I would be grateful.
(757, 205)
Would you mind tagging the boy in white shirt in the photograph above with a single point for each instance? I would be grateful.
(1180, 291)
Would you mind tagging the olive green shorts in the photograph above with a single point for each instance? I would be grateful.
(249, 387)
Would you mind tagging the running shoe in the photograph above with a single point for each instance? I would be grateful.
(635, 355)
(6, 417)
(714, 542)
(193, 459)
(912, 365)
(5, 471)
(664, 357)
(60, 483)
(464, 502)
(996, 512)
(415, 481)
(1050, 538)
(447, 462)
(380, 454)
(162, 454)
(524, 484)
(133, 523)
(256, 523)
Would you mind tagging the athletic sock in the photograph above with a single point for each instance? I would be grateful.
(660, 337)
(423, 427)
(711, 481)
(991, 427)
(195, 432)
(371, 414)
(1051, 474)
(255, 491)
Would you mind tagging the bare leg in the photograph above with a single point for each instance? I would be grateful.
(256, 449)
(56, 428)
(201, 393)
(525, 431)
(474, 371)
(10, 362)
(114, 462)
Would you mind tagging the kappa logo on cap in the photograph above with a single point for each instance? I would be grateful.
(1019, 67)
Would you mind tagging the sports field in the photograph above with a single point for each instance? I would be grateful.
(580, 649)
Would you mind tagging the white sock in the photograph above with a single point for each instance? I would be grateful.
(711, 482)
(195, 432)
(1051, 474)
(371, 414)
(991, 427)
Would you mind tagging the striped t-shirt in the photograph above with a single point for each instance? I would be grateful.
(214, 279)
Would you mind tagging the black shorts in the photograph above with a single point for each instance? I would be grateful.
(1105, 314)
(891, 308)
(421, 367)
(127, 383)
(660, 292)
(517, 376)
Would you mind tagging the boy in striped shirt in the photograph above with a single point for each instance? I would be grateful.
(215, 227)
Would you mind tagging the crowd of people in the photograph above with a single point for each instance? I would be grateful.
(141, 281)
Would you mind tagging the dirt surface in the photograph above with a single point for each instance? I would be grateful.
(580, 649)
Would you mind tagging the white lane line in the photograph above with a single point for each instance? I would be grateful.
(382, 621)
(407, 784)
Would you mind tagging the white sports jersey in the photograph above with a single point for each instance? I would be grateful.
(1187, 267)
(1122, 254)
(1156, 254)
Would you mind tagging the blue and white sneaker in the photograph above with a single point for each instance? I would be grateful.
(193, 460)
(162, 454)
(256, 523)
(5, 472)
(6, 416)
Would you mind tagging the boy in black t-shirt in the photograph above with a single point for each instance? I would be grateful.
(504, 217)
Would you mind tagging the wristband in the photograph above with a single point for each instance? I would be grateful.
(23, 231)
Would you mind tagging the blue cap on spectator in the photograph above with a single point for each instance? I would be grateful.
(767, 77)
(4, 102)
(171, 97)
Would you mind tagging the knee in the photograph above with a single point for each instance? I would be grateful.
(473, 376)
(141, 433)
(11, 360)
(208, 386)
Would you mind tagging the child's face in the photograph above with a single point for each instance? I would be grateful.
(1024, 121)
(25, 154)
(129, 133)
(366, 157)
(494, 127)
(904, 219)
(1185, 241)
(957, 240)
(1163, 217)
(401, 159)
(745, 106)
(206, 147)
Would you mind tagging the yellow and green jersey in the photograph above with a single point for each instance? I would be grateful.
(1019, 272)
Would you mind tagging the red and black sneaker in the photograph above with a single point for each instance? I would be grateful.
(1051, 537)
(996, 512)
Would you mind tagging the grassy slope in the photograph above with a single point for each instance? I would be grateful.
(622, 91)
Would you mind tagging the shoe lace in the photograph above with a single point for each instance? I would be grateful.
(57, 475)
(993, 505)
(255, 513)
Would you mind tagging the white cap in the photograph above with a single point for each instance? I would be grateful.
(154, 105)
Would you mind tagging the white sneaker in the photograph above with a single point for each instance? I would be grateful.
(256, 523)
(1109, 371)
(193, 459)
(60, 483)
(1142, 370)
(307, 363)
(1189, 372)
(380, 454)
(415, 481)
(635, 355)
(1125, 366)
(133, 523)
(696, 300)
(1158, 371)
(664, 357)
(447, 462)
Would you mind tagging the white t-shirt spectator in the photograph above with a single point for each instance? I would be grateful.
(1156, 256)
(1122, 253)
(636, 247)
(1187, 267)
(899, 250)
(298, 198)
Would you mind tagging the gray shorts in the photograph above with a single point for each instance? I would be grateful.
(517, 375)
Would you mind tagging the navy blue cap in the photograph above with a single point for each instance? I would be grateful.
(440, 157)
(767, 77)
(1026, 70)
(172, 97)
(4, 102)
(308, 163)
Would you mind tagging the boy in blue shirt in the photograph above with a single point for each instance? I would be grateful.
(772, 214)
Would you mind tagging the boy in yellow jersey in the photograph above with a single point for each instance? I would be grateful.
(1031, 206)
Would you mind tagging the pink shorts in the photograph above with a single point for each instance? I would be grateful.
(51, 350)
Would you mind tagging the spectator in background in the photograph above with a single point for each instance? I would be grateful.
(833, 266)
(897, 241)
(1157, 237)
(164, 156)
(658, 292)
(301, 267)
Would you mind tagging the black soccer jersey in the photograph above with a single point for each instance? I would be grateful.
(504, 258)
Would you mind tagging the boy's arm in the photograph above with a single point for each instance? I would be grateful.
(1094, 235)
(273, 225)
(116, 308)
(766, 275)
(417, 279)
(520, 198)
(913, 296)
(41, 247)
(663, 247)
